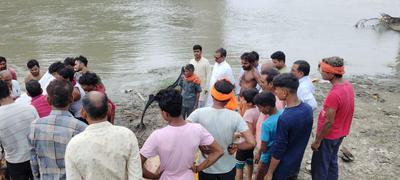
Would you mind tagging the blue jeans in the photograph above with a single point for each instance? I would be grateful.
(324, 162)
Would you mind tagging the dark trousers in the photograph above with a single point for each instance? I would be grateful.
(186, 111)
(19, 171)
(226, 176)
(324, 162)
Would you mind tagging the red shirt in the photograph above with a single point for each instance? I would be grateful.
(41, 105)
(341, 99)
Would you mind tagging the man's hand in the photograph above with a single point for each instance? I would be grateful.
(315, 145)
(205, 149)
(257, 157)
(232, 148)
(268, 176)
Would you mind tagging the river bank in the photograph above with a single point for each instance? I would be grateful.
(374, 138)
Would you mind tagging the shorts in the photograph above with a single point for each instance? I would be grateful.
(244, 157)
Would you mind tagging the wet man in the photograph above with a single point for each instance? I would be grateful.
(334, 121)
(256, 66)
(34, 71)
(3, 66)
(102, 151)
(15, 123)
(221, 70)
(292, 133)
(222, 123)
(247, 79)
(301, 69)
(13, 85)
(80, 67)
(203, 70)
(177, 143)
(50, 135)
(279, 59)
(69, 62)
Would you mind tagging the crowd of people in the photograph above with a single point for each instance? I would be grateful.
(218, 127)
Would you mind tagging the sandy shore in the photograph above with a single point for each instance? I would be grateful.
(374, 139)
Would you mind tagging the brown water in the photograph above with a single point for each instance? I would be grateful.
(141, 42)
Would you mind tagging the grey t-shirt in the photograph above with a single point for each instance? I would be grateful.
(222, 124)
(189, 91)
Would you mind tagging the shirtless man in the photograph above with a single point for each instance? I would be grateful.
(34, 71)
(247, 80)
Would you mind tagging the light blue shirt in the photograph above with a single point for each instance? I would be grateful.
(306, 92)
(268, 132)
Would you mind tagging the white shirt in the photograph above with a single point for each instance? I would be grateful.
(103, 151)
(202, 69)
(305, 92)
(16, 89)
(45, 81)
(220, 71)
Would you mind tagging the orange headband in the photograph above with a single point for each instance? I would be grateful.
(330, 69)
(232, 103)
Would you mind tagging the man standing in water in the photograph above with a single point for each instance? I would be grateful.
(247, 80)
(334, 120)
(221, 70)
(3, 66)
(202, 69)
(34, 71)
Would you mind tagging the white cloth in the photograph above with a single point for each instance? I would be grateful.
(103, 151)
(220, 71)
(77, 105)
(15, 126)
(16, 89)
(306, 92)
(222, 124)
(202, 69)
(45, 81)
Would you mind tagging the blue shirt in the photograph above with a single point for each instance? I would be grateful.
(49, 137)
(292, 135)
(268, 131)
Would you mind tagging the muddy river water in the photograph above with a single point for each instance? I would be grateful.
(132, 42)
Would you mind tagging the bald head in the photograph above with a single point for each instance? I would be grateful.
(6, 76)
(267, 66)
(95, 104)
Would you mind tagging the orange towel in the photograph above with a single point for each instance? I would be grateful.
(193, 78)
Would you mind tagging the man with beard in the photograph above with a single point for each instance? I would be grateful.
(3, 66)
(247, 80)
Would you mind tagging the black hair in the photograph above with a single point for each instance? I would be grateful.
(278, 55)
(303, 67)
(59, 92)
(189, 67)
(82, 59)
(89, 79)
(55, 67)
(67, 73)
(4, 90)
(271, 74)
(69, 61)
(95, 109)
(256, 55)
(33, 88)
(223, 86)
(32, 63)
(249, 95)
(222, 51)
(265, 99)
(249, 57)
(286, 80)
(3, 59)
(197, 47)
(170, 101)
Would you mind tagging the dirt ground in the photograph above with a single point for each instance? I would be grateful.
(373, 140)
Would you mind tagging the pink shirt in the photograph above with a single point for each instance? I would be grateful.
(262, 118)
(176, 147)
(340, 98)
(251, 116)
(41, 105)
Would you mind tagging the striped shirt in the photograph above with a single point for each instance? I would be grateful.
(15, 123)
(49, 137)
